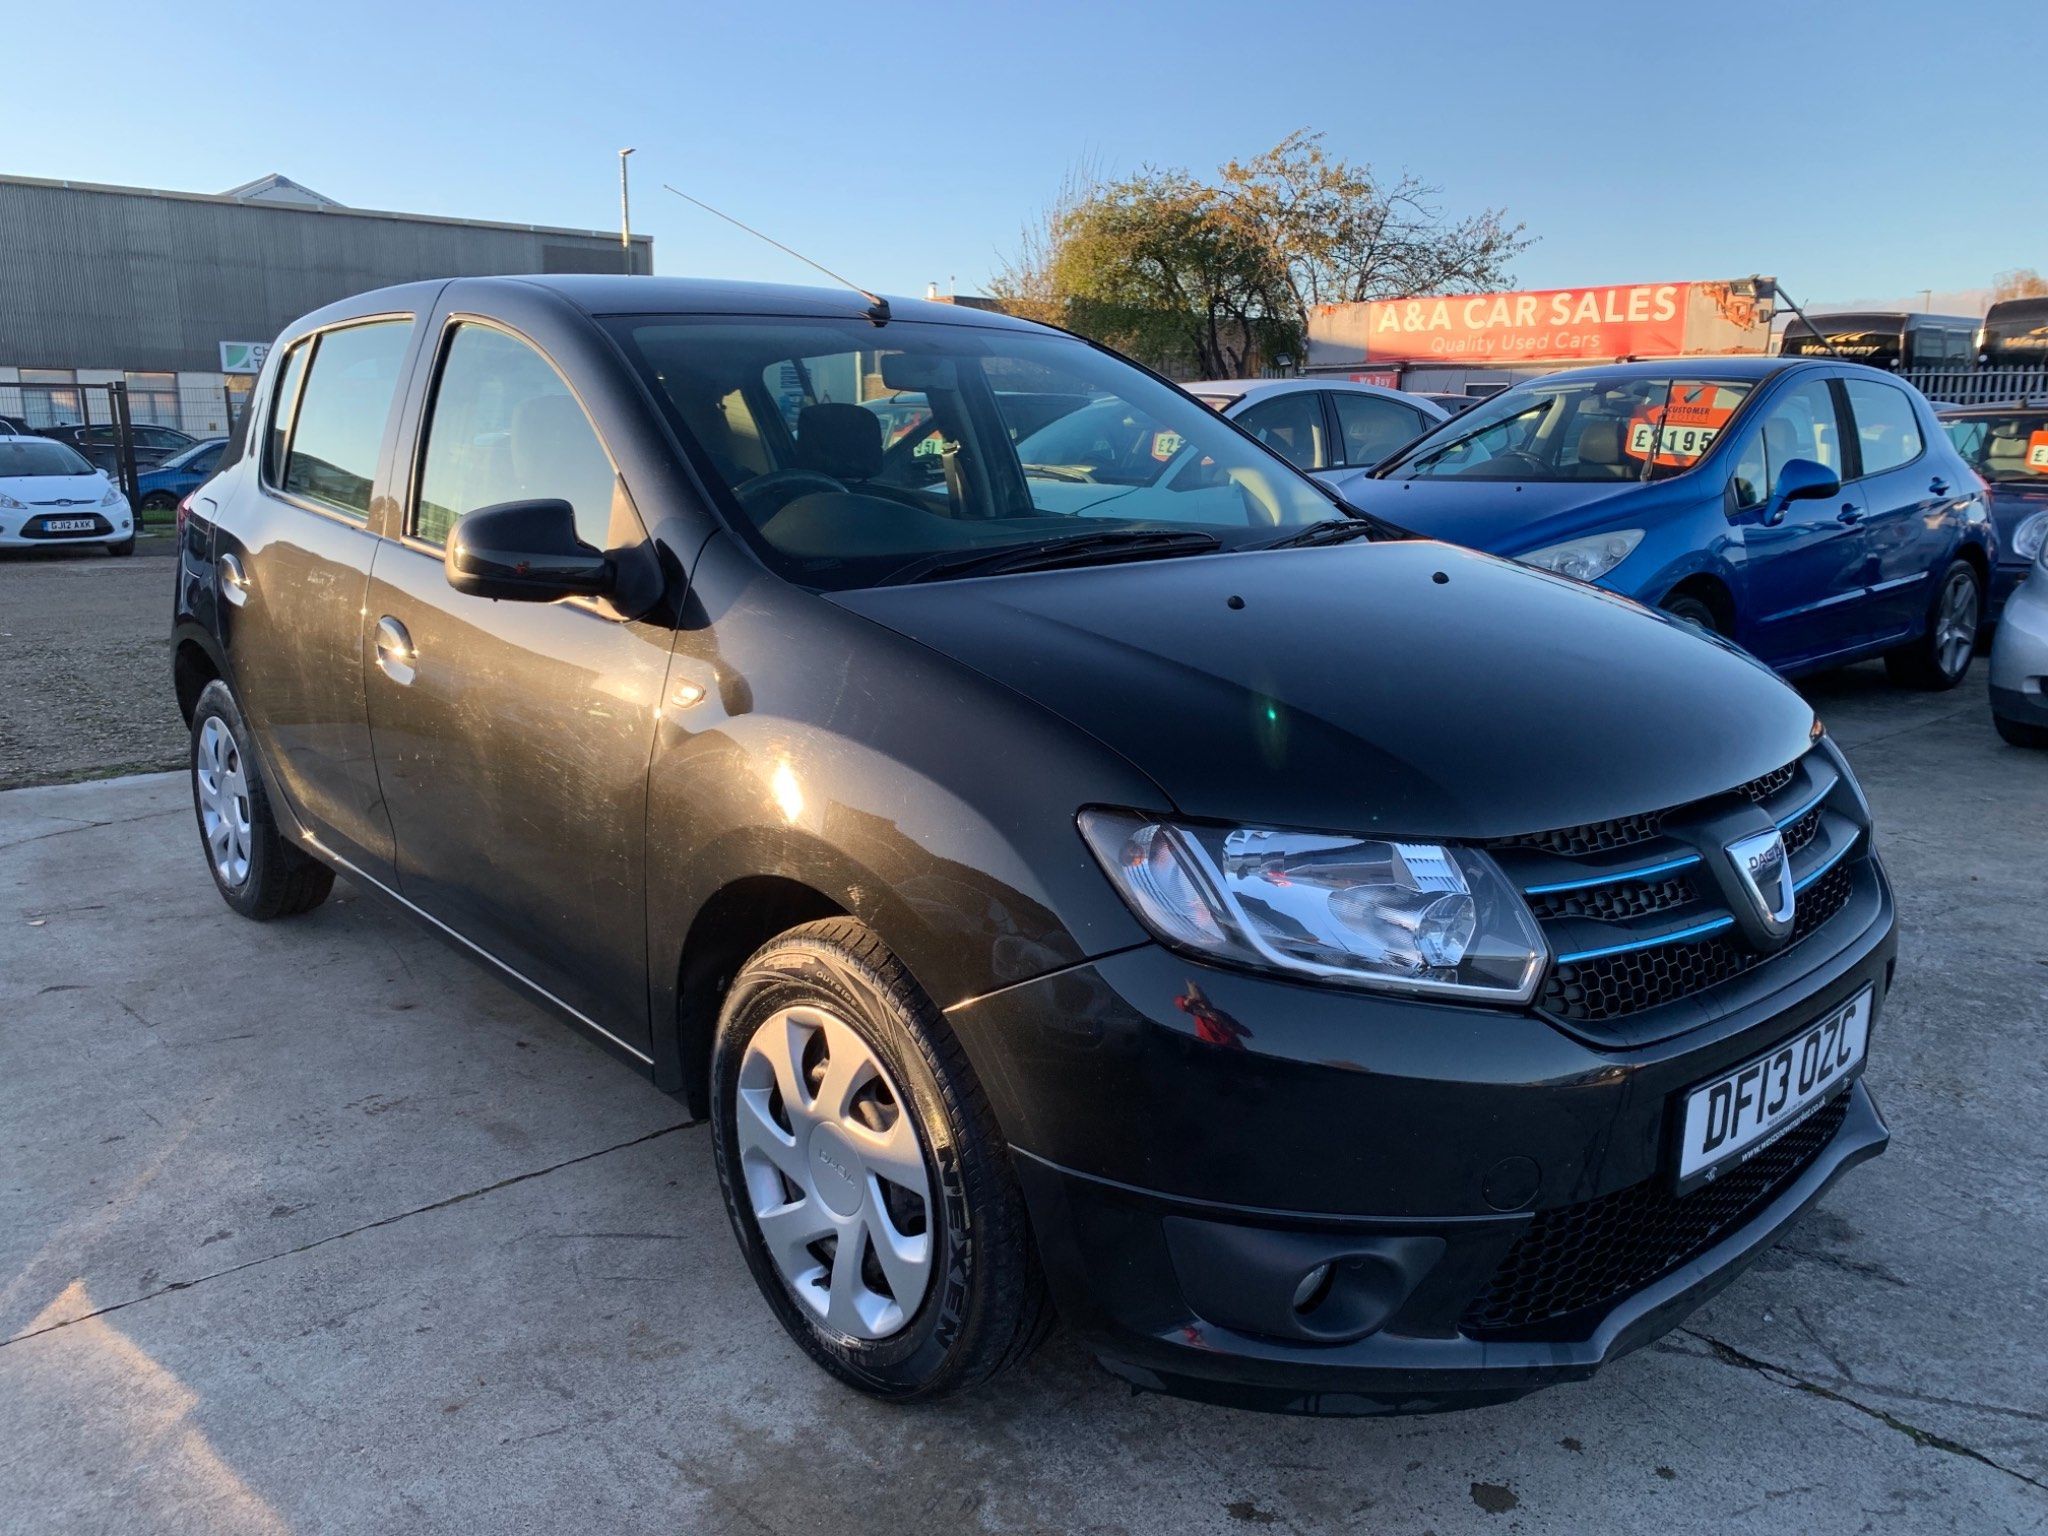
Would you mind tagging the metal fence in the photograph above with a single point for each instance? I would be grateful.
(126, 430)
(1980, 386)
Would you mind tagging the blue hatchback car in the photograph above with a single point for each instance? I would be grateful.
(184, 472)
(1812, 511)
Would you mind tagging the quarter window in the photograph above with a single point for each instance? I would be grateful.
(506, 428)
(338, 430)
(283, 403)
(1887, 428)
(1373, 427)
(1291, 425)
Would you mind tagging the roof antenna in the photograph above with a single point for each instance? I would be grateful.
(878, 307)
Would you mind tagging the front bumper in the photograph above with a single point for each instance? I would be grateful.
(1192, 1141)
(31, 530)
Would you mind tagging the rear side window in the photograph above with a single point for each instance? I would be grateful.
(504, 427)
(283, 403)
(1887, 427)
(330, 455)
(1372, 427)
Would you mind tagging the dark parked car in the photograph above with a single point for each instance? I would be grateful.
(101, 444)
(167, 485)
(1334, 971)
(2008, 446)
(1813, 512)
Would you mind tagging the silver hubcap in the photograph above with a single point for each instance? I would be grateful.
(223, 801)
(834, 1173)
(1955, 626)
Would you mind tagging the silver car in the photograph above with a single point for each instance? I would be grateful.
(2019, 660)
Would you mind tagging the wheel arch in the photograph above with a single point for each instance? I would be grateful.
(194, 664)
(1710, 588)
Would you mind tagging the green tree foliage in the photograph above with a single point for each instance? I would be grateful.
(1219, 279)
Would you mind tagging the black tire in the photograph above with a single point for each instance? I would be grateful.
(281, 880)
(2021, 733)
(985, 1307)
(122, 547)
(159, 501)
(1935, 661)
(1694, 610)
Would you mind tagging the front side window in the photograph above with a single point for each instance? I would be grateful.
(338, 430)
(1373, 426)
(1801, 424)
(1887, 428)
(1291, 425)
(852, 454)
(504, 427)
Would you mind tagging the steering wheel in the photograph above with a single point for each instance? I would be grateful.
(767, 494)
(1519, 457)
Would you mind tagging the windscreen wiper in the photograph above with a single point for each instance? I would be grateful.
(1045, 554)
(1336, 530)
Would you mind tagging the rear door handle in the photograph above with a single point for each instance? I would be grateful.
(396, 657)
(1850, 515)
(1938, 485)
(234, 581)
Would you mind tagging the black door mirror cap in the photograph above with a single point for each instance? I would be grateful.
(525, 552)
(1804, 479)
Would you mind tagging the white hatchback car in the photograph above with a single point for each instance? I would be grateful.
(50, 495)
(1336, 429)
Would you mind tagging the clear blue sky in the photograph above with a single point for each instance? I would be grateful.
(1854, 149)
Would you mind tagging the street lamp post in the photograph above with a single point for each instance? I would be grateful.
(625, 217)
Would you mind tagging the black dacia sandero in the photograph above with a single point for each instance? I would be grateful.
(1329, 970)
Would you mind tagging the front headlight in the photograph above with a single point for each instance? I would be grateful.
(11, 504)
(2030, 536)
(1586, 559)
(1409, 916)
(113, 495)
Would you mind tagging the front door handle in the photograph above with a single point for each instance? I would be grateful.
(234, 581)
(396, 657)
(1850, 515)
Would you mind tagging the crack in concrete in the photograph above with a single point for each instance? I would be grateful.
(368, 1226)
(91, 826)
(1728, 1354)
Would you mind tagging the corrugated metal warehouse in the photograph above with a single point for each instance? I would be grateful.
(168, 290)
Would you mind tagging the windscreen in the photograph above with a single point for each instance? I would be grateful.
(1579, 429)
(26, 456)
(849, 452)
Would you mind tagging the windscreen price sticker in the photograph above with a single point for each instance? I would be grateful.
(2037, 452)
(1166, 444)
(1679, 442)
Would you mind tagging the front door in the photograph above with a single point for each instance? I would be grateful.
(513, 739)
(294, 551)
(1802, 563)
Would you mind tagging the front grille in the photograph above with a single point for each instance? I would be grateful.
(1616, 985)
(1765, 785)
(1593, 837)
(1800, 833)
(1616, 902)
(1593, 1254)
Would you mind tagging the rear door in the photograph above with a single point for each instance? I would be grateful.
(1802, 562)
(293, 550)
(513, 738)
(1905, 493)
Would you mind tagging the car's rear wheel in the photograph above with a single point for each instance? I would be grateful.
(1941, 655)
(258, 872)
(159, 501)
(865, 1176)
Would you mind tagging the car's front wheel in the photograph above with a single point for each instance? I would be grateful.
(1694, 610)
(1941, 655)
(866, 1179)
(257, 870)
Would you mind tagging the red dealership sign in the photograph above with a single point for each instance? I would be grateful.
(1548, 325)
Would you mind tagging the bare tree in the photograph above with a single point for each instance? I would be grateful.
(2019, 283)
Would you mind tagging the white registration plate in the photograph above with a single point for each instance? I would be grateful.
(67, 524)
(1736, 1115)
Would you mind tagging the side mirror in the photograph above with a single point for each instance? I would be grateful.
(1803, 480)
(525, 552)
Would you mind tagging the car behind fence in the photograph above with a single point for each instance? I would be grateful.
(121, 429)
